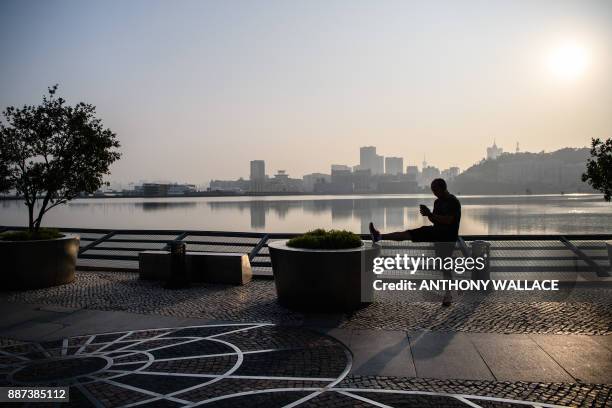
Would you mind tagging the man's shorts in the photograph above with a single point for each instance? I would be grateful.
(425, 234)
(443, 245)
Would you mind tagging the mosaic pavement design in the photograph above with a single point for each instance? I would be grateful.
(225, 365)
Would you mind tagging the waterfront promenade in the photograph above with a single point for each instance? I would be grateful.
(117, 340)
(539, 347)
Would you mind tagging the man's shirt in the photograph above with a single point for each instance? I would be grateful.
(448, 206)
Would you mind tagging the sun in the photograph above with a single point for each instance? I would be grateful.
(568, 61)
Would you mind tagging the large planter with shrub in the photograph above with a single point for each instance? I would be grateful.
(33, 264)
(51, 153)
(323, 279)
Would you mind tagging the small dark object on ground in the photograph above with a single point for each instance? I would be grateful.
(178, 269)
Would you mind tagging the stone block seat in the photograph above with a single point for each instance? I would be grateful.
(209, 267)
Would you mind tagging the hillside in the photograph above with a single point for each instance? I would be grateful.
(520, 173)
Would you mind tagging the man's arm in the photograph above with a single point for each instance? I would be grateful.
(437, 218)
(441, 219)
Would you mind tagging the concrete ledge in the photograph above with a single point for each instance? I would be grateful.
(209, 267)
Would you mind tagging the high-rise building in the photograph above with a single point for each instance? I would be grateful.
(369, 160)
(258, 175)
(258, 170)
(379, 165)
(394, 165)
(366, 156)
(412, 173)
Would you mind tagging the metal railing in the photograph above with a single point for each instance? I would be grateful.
(117, 249)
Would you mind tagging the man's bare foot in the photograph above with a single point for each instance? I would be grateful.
(374, 233)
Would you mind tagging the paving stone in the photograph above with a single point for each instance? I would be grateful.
(581, 356)
(32, 330)
(605, 341)
(515, 357)
(342, 335)
(447, 355)
(57, 309)
(382, 353)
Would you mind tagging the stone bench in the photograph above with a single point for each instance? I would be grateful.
(208, 267)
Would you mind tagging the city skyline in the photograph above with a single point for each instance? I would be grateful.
(196, 89)
(265, 171)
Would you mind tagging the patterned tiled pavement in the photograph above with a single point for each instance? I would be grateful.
(249, 365)
(569, 311)
(265, 365)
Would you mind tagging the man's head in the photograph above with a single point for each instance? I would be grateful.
(438, 187)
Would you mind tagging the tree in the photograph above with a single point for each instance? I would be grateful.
(599, 167)
(52, 152)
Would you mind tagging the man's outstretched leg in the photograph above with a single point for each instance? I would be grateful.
(392, 236)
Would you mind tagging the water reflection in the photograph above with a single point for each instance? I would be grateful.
(165, 205)
(480, 215)
(258, 215)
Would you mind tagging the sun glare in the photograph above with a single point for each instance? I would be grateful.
(568, 61)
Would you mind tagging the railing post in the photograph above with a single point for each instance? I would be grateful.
(178, 238)
(258, 247)
(96, 242)
(463, 247)
(598, 269)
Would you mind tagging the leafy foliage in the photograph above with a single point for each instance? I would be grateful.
(52, 152)
(43, 233)
(321, 239)
(599, 167)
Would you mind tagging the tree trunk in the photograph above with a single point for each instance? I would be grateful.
(37, 224)
(30, 217)
(39, 219)
(41, 212)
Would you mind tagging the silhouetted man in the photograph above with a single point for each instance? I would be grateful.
(444, 232)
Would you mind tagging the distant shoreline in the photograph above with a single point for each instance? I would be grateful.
(291, 194)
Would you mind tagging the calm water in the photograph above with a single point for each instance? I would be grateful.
(481, 214)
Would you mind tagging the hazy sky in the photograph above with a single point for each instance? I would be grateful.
(196, 89)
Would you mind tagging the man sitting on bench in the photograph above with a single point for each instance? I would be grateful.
(444, 232)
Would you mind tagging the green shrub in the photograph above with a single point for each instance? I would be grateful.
(321, 239)
(43, 233)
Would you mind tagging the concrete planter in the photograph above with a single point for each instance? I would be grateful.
(38, 264)
(323, 280)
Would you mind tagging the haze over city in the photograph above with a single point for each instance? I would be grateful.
(195, 90)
